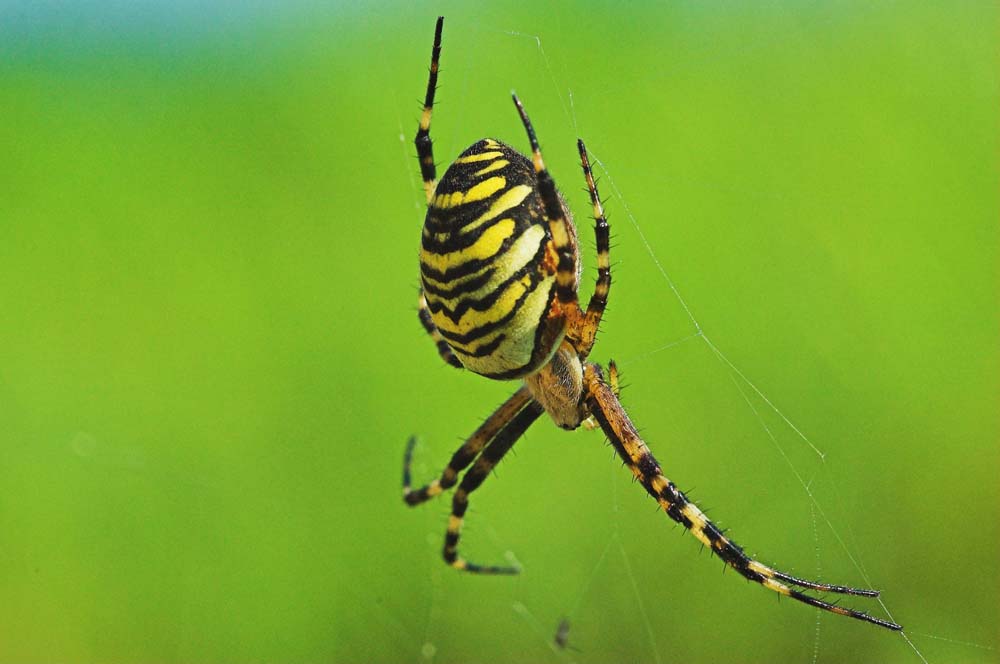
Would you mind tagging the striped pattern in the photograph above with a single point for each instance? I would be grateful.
(471, 481)
(466, 454)
(563, 233)
(444, 350)
(585, 331)
(486, 447)
(425, 147)
(636, 455)
(487, 263)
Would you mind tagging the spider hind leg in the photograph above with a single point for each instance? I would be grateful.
(630, 447)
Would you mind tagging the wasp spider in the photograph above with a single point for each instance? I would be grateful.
(499, 267)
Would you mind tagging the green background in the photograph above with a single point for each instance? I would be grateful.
(210, 358)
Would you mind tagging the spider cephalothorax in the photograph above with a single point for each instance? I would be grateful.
(499, 271)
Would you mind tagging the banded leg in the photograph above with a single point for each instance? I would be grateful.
(425, 148)
(471, 481)
(559, 225)
(444, 350)
(591, 422)
(630, 447)
(467, 453)
(588, 326)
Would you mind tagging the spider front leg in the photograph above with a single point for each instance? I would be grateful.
(425, 148)
(563, 234)
(587, 327)
(491, 441)
(616, 424)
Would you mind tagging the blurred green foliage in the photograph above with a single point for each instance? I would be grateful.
(210, 359)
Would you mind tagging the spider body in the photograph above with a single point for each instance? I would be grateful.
(499, 272)
(488, 264)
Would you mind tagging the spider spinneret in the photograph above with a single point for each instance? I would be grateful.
(499, 268)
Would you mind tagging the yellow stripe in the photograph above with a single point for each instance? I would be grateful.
(761, 569)
(777, 587)
(559, 234)
(698, 523)
(481, 156)
(509, 199)
(519, 254)
(472, 319)
(487, 245)
(483, 190)
(695, 516)
(454, 523)
(495, 166)
(473, 346)
(452, 283)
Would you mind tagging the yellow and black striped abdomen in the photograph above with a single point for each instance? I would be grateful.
(485, 263)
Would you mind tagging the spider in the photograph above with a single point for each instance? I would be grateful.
(499, 267)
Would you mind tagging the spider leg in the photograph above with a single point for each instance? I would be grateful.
(591, 422)
(471, 481)
(425, 148)
(466, 454)
(563, 235)
(491, 441)
(444, 350)
(630, 447)
(587, 327)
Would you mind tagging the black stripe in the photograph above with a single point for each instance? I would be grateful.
(470, 266)
(425, 320)
(460, 288)
(547, 187)
(485, 349)
(453, 219)
(455, 241)
(485, 303)
(464, 176)
(483, 330)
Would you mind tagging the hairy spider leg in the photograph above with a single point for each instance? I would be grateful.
(630, 447)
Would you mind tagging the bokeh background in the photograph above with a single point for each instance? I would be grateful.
(210, 358)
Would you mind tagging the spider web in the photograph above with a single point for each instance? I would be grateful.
(799, 456)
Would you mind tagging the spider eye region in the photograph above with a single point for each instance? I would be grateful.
(483, 263)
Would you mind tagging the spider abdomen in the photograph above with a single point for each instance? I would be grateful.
(486, 263)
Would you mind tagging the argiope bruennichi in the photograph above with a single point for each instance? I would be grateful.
(499, 268)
